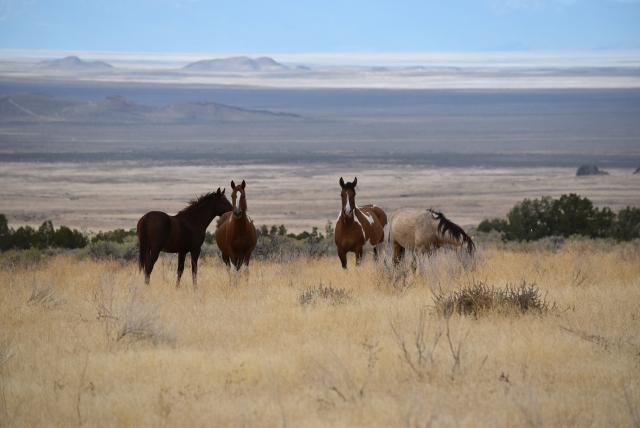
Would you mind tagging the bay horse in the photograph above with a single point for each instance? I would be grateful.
(235, 234)
(358, 226)
(423, 232)
(181, 233)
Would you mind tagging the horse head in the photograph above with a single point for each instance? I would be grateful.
(222, 203)
(348, 195)
(238, 199)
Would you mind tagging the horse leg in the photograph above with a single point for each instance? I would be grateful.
(398, 252)
(195, 254)
(359, 253)
(343, 258)
(149, 262)
(375, 253)
(225, 259)
(181, 257)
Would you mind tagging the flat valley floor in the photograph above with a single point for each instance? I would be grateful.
(106, 195)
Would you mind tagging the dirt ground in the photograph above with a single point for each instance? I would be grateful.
(96, 196)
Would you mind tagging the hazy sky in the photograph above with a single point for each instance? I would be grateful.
(320, 26)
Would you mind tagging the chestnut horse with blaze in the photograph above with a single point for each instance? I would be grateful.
(181, 233)
(358, 226)
(236, 235)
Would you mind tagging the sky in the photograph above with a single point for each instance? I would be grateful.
(320, 26)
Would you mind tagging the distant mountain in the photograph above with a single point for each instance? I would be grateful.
(37, 108)
(203, 112)
(115, 109)
(238, 63)
(31, 107)
(73, 63)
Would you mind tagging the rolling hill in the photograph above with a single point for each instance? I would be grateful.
(36, 108)
(235, 64)
(73, 63)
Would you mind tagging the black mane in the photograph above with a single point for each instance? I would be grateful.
(456, 232)
(197, 203)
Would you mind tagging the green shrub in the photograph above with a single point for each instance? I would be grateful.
(69, 238)
(46, 236)
(110, 250)
(627, 224)
(117, 235)
(488, 225)
(534, 219)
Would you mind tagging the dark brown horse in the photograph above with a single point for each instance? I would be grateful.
(358, 226)
(181, 233)
(236, 235)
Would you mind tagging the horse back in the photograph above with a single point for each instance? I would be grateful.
(154, 228)
(402, 227)
(378, 212)
(375, 232)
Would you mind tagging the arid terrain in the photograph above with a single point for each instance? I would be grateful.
(106, 195)
(97, 155)
(295, 340)
(305, 343)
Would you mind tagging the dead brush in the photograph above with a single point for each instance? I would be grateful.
(6, 353)
(399, 278)
(345, 382)
(480, 298)
(140, 323)
(43, 296)
(417, 350)
(126, 318)
(322, 293)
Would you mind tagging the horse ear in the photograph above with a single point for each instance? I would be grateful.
(233, 185)
(218, 191)
(223, 189)
(341, 182)
(243, 184)
(355, 181)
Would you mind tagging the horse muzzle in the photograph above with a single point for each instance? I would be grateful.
(237, 213)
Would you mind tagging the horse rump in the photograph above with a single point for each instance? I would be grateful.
(143, 242)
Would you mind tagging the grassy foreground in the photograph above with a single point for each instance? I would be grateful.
(86, 343)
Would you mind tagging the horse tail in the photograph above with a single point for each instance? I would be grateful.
(143, 243)
(471, 247)
(386, 233)
(446, 226)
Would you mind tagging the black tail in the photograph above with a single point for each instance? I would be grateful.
(143, 244)
(456, 232)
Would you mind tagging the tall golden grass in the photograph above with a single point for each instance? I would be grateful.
(87, 343)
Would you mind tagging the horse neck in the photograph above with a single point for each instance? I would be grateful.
(346, 219)
(240, 222)
(202, 217)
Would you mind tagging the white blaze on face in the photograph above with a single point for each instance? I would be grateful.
(238, 202)
(347, 207)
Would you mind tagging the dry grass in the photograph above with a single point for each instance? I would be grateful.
(86, 343)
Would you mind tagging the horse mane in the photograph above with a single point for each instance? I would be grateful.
(197, 203)
(456, 232)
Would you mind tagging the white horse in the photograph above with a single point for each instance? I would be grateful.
(423, 232)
